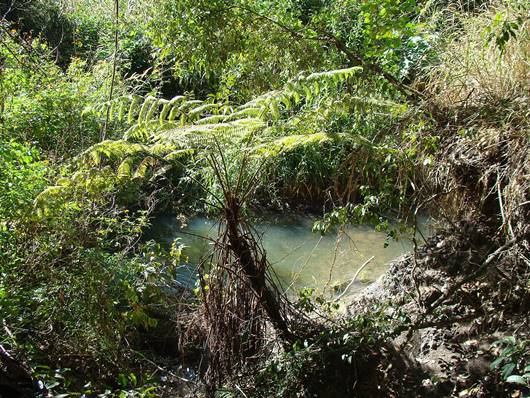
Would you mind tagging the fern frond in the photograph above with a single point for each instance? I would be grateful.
(47, 196)
(144, 165)
(179, 154)
(203, 109)
(174, 121)
(293, 142)
(212, 119)
(106, 150)
(334, 75)
(124, 169)
(135, 100)
(250, 112)
(190, 105)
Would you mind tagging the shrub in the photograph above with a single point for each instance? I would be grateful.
(76, 277)
(44, 105)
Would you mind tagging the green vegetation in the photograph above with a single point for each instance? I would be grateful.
(370, 112)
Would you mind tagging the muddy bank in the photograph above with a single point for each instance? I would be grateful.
(453, 300)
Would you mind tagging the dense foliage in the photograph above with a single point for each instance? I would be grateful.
(112, 111)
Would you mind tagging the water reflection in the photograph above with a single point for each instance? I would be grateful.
(299, 257)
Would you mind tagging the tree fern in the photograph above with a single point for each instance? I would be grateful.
(164, 131)
(186, 122)
(189, 111)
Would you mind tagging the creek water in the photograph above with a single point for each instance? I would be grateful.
(299, 257)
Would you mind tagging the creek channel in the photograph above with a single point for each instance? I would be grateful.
(300, 258)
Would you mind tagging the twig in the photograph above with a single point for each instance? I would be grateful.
(241, 391)
(337, 241)
(473, 275)
(415, 266)
(14, 367)
(354, 278)
(8, 332)
(501, 206)
(161, 369)
(296, 275)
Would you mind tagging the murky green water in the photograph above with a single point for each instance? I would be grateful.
(299, 257)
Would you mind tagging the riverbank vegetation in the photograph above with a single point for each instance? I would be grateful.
(365, 112)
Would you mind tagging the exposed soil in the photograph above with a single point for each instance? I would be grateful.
(453, 329)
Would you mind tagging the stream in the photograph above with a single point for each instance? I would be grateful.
(299, 257)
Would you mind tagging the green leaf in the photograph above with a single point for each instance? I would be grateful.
(507, 370)
(510, 340)
(516, 379)
(275, 110)
(52, 385)
(121, 111)
(122, 379)
(134, 380)
(145, 108)
(154, 107)
(316, 88)
(286, 101)
(164, 112)
(124, 169)
(132, 108)
(174, 112)
(496, 363)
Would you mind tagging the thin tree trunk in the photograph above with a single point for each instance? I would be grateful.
(243, 252)
(113, 79)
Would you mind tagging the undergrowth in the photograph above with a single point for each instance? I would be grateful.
(89, 306)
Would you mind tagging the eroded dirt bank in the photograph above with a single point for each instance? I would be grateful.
(464, 300)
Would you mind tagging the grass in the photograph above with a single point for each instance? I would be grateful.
(475, 71)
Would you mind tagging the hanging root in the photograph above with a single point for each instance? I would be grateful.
(242, 304)
(240, 301)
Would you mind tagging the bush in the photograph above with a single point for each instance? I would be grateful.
(38, 18)
(44, 105)
(22, 176)
(77, 291)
